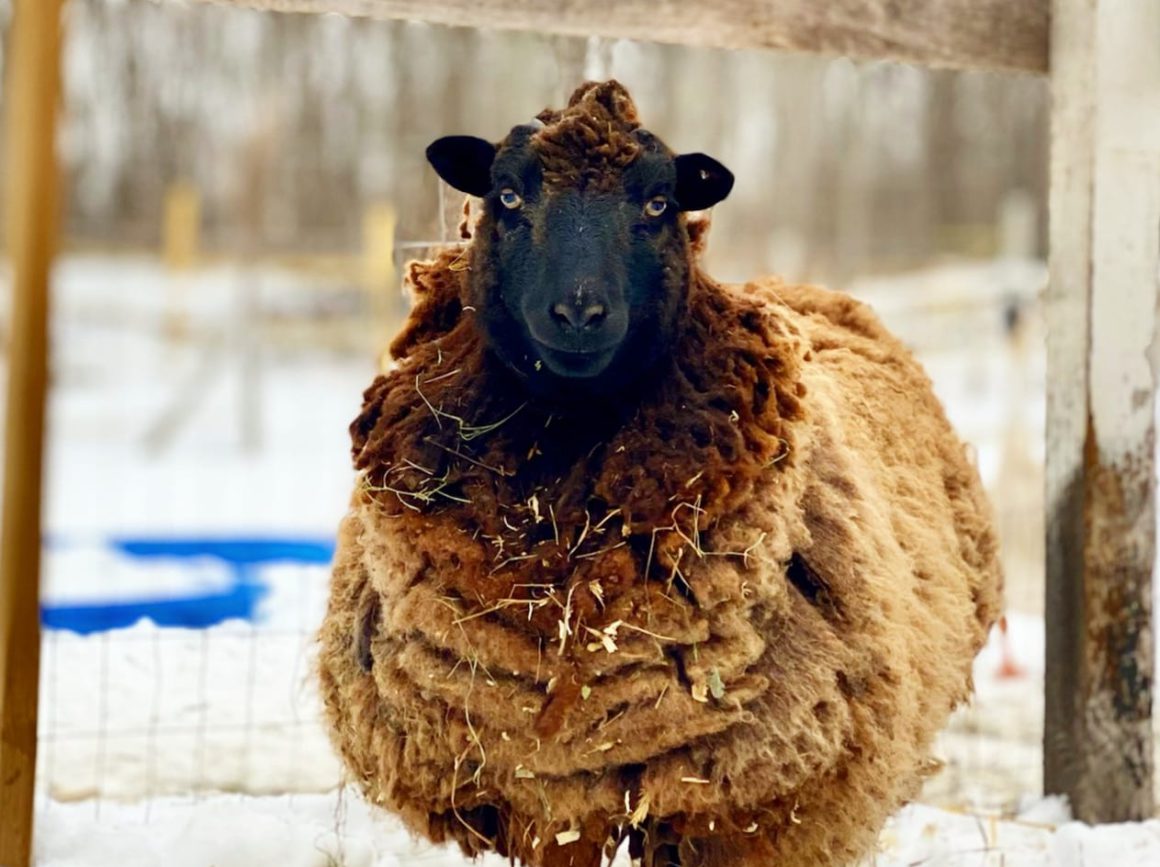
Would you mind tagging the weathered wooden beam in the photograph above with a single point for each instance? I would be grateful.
(31, 209)
(986, 34)
(1102, 354)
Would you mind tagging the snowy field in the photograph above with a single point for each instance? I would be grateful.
(200, 408)
(319, 831)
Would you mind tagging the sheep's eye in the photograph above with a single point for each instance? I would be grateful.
(655, 206)
(510, 199)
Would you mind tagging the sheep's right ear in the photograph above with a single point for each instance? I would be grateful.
(464, 161)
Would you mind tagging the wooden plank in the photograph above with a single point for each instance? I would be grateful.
(988, 34)
(181, 226)
(1102, 328)
(31, 208)
(380, 277)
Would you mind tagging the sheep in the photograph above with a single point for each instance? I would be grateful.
(637, 558)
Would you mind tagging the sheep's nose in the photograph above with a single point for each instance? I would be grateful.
(584, 316)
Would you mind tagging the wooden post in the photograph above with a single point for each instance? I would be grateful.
(379, 275)
(34, 88)
(1102, 317)
(180, 245)
(378, 236)
(182, 226)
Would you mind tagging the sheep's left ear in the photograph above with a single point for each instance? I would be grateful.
(464, 161)
(701, 182)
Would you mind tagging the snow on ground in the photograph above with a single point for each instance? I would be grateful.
(231, 831)
(202, 746)
(322, 831)
(144, 711)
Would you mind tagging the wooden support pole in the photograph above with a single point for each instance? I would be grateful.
(180, 250)
(1102, 362)
(31, 209)
(379, 274)
(181, 226)
(972, 34)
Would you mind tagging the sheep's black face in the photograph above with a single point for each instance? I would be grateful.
(579, 276)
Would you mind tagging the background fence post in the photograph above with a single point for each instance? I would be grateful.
(1101, 518)
(31, 209)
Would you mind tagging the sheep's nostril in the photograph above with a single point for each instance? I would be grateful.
(593, 315)
(564, 315)
(573, 318)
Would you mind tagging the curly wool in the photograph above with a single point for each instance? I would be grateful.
(585, 144)
(719, 623)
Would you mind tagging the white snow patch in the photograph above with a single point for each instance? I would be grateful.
(328, 831)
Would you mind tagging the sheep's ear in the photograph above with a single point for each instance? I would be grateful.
(464, 161)
(701, 182)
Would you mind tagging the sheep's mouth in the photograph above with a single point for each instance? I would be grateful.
(572, 364)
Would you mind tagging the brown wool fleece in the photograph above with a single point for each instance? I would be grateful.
(721, 624)
(589, 141)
